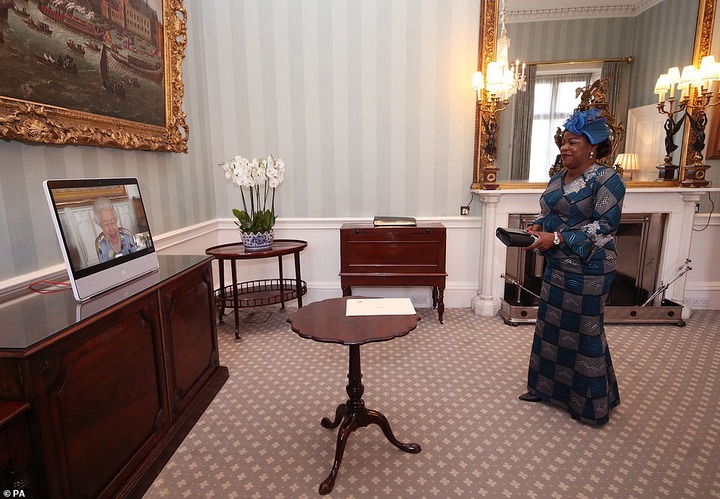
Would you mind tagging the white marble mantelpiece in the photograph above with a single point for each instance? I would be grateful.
(497, 205)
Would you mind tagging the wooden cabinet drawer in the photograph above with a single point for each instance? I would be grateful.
(392, 250)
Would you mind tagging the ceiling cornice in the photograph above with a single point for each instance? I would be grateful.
(574, 10)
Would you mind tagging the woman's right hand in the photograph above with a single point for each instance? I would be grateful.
(543, 240)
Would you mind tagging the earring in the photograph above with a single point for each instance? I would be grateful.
(591, 155)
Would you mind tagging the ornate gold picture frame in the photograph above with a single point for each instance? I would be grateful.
(97, 69)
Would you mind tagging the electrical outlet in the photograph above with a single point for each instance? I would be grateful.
(420, 301)
(700, 302)
(465, 210)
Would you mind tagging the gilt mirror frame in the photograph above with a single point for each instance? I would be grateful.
(484, 177)
(36, 122)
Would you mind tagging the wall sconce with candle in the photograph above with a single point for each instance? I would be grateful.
(695, 85)
(494, 89)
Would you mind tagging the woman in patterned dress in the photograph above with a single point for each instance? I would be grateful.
(570, 364)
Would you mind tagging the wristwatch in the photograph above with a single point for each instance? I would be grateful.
(556, 239)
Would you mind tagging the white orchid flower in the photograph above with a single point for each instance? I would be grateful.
(257, 181)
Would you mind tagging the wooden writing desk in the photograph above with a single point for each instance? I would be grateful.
(394, 256)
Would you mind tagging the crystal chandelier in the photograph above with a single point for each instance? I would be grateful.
(502, 79)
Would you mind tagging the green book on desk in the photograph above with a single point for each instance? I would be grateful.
(381, 221)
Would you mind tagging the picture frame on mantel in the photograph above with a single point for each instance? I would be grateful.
(93, 75)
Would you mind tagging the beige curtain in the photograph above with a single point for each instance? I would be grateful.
(613, 72)
(522, 127)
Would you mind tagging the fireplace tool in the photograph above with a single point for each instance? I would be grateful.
(514, 281)
(681, 271)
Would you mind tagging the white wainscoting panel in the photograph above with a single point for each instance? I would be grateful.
(320, 262)
(702, 290)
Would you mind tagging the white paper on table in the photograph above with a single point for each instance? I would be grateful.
(379, 306)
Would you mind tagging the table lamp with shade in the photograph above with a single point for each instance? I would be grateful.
(627, 163)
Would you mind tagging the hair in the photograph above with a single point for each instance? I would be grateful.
(604, 148)
(103, 203)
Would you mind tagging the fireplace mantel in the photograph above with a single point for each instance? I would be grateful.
(497, 205)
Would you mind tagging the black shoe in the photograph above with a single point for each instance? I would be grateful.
(529, 397)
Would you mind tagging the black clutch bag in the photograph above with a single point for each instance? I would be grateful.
(514, 237)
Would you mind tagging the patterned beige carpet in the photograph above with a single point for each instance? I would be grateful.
(453, 389)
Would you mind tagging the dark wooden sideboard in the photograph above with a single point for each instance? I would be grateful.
(116, 383)
(394, 256)
(16, 466)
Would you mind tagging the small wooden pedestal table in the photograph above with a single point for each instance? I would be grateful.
(262, 292)
(325, 321)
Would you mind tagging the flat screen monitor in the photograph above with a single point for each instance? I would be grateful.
(103, 232)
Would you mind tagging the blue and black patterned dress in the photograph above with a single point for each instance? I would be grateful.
(570, 364)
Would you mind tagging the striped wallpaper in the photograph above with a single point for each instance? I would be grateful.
(663, 36)
(367, 101)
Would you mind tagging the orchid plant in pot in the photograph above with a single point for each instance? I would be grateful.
(257, 181)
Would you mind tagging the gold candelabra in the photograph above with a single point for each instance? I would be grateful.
(695, 85)
(490, 108)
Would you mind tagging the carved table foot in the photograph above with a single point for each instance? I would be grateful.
(380, 420)
(348, 425)
(339, 415)
(349, 422)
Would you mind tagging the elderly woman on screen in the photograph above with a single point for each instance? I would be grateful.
(113, 241)
(570, 364)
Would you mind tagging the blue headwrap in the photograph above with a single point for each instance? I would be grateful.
(588, 123)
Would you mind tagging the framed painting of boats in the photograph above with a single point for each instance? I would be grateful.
(93, 72)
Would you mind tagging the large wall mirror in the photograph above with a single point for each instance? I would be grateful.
(642, 41)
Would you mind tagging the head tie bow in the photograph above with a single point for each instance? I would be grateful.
(588, 123)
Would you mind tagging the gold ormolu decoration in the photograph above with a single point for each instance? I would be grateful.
(693, 171)
(595, 96)
(484, 170)
(33, 122)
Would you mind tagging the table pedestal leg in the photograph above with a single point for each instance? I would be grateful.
(353, 415)
(236, 305)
